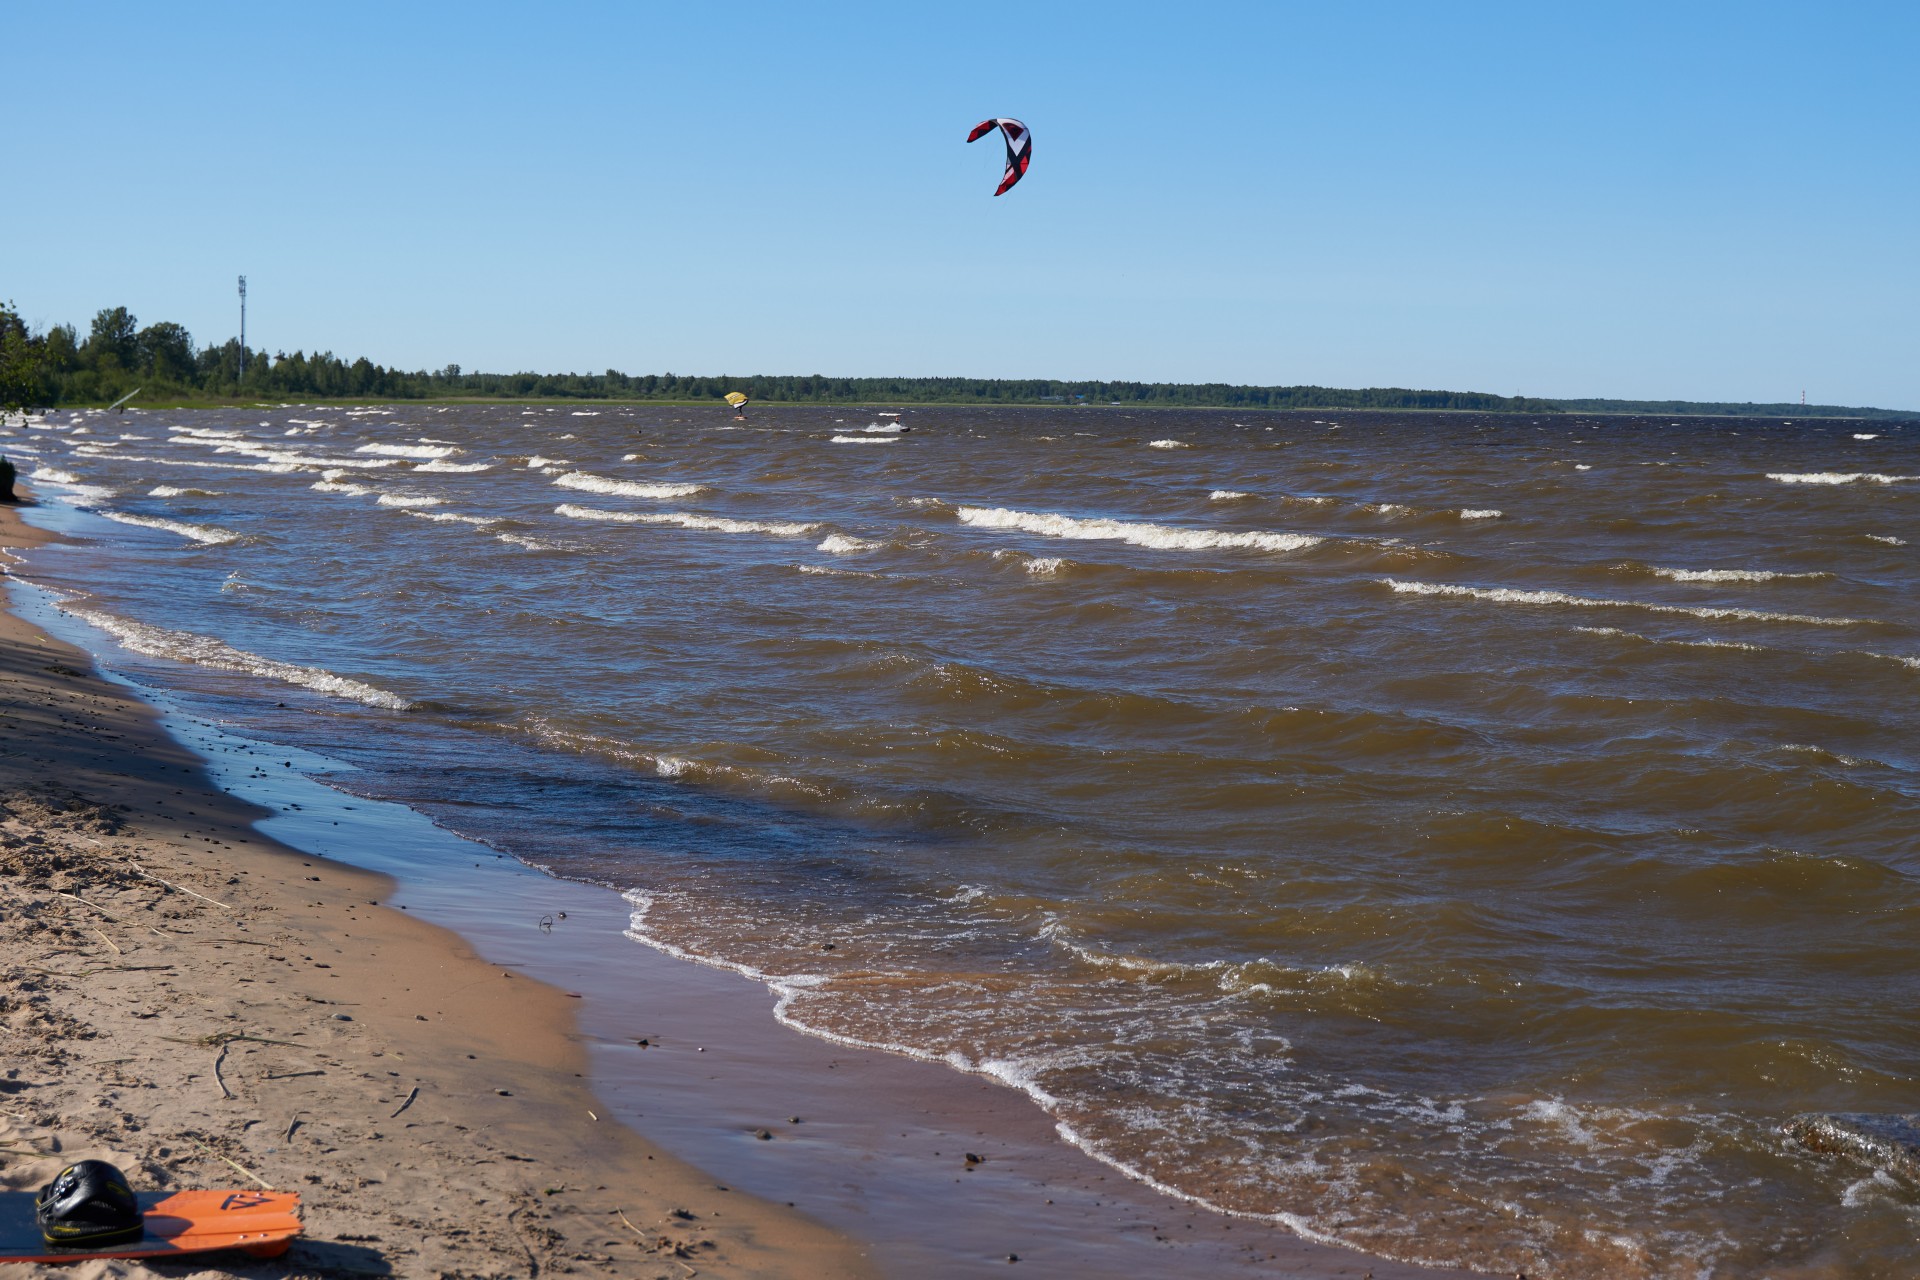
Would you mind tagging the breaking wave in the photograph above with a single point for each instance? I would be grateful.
(205, 533)
(1510, 595)
(625, 488)
(687, 520)
(205, 651)
(1159, 537)
(1836, 477)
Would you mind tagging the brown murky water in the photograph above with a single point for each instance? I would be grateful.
(1465, 838)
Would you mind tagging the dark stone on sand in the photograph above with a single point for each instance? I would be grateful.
(6, 481)
(1882, 1140)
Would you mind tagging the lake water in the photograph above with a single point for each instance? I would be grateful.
(1465, 838)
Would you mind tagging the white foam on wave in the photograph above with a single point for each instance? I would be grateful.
(439, 464)
(892, 427)
(1866, 435)
(1837, 477)
(304, 460)
(1168, 444)
(531, 544)
(1887, 538)
(452, 517)
(77, 490)
(1511, 595)
(206, 533)
(277, 468)
(169, 491)
(407, 500)
(789, 989)
(1735, 575)
(205, 651)
(1912, 664)
(839, 544)
(1228, 495)
(688, 520)
(536, 462)
(625, 488)
(1155, 536)
(1688, 644)
(1481, 513)
(335, 486)
(864, 439)
(1581, 466)
(428, 451)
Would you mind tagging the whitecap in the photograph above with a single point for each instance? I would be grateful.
(625, 488)
(407, 500)
(1481, 513)
(169, 491)
(1158, 537)
(1866, 435)
(1836, 477)
(205, 651)
(865, 439)
(1510, 595)
(687, 520)
(1734, 575)
(1887, 538)
(1168, 444)
(840, 544)
(1227, 495)
(205, 533)
(452, 517)
(464, 467)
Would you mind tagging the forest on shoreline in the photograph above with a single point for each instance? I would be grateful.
(59, 368)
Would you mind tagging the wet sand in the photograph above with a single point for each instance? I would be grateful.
(196, 976)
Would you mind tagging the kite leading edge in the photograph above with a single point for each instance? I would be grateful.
(1019, 147)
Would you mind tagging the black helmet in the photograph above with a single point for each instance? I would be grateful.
(88, 1205)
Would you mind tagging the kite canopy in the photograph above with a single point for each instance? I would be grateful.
(1019, 147)
(735, 398)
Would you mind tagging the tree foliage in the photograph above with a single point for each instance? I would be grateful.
(118, 355)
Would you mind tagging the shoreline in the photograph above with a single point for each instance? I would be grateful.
(867, 1161)
(176, 991)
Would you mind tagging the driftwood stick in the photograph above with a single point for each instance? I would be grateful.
(109, 941)
(217, 1078)
(180, 887)
(235, 1163)
(407, 1103)
(83, 902)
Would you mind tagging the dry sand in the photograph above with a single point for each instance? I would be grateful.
(172, 998)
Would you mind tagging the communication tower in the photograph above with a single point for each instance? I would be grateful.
(243, 326)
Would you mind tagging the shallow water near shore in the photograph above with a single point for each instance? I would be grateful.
(1466, 839)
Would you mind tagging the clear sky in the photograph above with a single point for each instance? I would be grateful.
(1690, 199)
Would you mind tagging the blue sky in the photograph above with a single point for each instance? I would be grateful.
(1700, 200)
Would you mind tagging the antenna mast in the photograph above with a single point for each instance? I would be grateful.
(243, 326)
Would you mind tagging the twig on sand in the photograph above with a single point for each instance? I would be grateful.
(83, 902)
(533, 1263)
(109, 941)
(217, 1077)
(228, 1037)
(235, 1163)
(407, 1103)
(101, 968)
(180, 887)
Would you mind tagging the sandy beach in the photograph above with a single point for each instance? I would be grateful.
(177, 1001)
(207, 1006)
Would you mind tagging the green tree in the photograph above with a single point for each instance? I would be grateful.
(114, 342)
(166, 351)
(21, 384)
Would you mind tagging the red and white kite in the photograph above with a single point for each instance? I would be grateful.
(1019, 148)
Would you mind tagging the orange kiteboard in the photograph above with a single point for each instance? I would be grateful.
(260, 1223)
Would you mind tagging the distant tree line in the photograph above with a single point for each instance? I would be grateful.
(117, 355)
